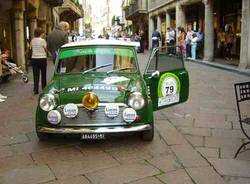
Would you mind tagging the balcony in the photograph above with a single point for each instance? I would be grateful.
(159, 3)
(71, 10)
(54, 3)
(138, 7)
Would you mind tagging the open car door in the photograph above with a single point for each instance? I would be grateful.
(166, 77)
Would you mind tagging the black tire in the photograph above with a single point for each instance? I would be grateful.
(148, 135)
(42, 136)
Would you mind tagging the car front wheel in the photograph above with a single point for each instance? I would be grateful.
(148, 135)
(42, 136)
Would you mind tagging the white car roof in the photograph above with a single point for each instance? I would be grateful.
(102, 42)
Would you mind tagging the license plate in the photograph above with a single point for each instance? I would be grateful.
(167, 100)
(94, 136)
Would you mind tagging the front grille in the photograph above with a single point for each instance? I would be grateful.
(96, 118)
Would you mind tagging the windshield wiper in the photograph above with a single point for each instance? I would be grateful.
(98, 67)
(120, 69)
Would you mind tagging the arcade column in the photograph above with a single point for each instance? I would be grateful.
(245, 36)
(150, 31)
(209, 31)
(19, 40)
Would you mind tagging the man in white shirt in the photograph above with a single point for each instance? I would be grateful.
(170, 40)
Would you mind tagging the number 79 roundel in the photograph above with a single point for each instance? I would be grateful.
(168, 89)
(165, 72)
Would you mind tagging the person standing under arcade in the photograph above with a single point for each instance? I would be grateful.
(156, 37)
(57, 38)
(39, 59)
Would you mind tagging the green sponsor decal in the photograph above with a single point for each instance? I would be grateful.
(64, 54)
(169, 89)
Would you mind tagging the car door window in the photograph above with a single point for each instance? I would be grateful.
(162, 61)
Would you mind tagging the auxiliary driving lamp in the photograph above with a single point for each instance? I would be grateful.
(90, 101)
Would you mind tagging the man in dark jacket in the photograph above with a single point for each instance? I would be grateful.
(141, 34)
(57, 38)
(156, 37)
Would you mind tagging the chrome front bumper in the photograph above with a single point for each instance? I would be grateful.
(95, 130)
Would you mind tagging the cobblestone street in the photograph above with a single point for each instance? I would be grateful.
(194, 142)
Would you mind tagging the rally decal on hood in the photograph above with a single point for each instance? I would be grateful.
(89, 87)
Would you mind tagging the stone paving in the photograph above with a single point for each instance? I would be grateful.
(194, 142)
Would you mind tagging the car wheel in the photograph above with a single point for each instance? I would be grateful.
(42, 136)
(148, 135)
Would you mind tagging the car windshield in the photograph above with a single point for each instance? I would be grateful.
(97, 59)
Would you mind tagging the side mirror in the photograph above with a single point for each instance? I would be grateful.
(155, 74)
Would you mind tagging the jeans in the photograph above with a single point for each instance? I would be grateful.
(193, 50)
(188, 50)
(171, 49)
(155, 43)
(228, 50)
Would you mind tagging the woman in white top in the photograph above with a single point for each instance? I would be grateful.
(39, 58)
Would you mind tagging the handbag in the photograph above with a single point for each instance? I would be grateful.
(29, 53)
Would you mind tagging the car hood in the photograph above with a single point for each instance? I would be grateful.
(108, 87)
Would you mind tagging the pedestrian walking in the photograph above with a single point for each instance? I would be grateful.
(156, 37)
(194, 46)
(188, 40)
(221, 41)
(57, 38)
(229, 43)
(170, 40)
(39, 59)
(107, 36)
(200, 43)
(137, 38)
(141, 34)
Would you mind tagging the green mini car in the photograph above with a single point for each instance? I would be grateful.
(98, 90)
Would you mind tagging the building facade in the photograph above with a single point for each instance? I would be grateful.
(211, 16)
(87, 20)
(19, 19)
(127, 27)
(71, 11)
(137, 12)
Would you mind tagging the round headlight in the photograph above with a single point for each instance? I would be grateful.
(54, 117)
(90, 101)
(136, 101)
(48, 102)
